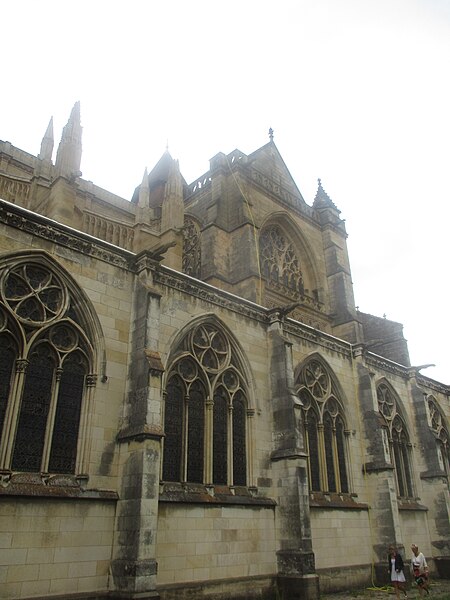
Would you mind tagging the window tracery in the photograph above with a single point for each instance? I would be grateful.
(399, 444)
(324, 427)
(441, 433)
(44, 365)
(192, 255)
(280, 265)
(205, 412)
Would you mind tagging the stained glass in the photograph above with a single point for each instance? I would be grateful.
(220, 440)
(313, 448)
(34, 409)
(67, 418)
(173, 429)
(328, 438)
(340, 440)
(278, 258)
(239, 446)
(8, 354)
(196, 427)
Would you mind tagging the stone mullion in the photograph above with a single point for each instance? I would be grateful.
(347, 460)
(51, 419)
(12, 413)
(250, 445)
(84, 438)
(208, 447)
(337, 472)
(230, 449)
(322, 457)
(185, 439)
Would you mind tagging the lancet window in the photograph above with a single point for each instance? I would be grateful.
(45, 360)
(324, 427)
(441, 433)
(192, 258)
(399, 443)
(280, 265)
(206, 412)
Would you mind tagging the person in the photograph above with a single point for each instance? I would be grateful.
(395, 568)
(419, 568)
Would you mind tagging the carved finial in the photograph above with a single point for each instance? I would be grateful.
(319, 181)
(271, 134)
(167, 145)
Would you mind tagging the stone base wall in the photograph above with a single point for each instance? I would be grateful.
(249, 588)
(51, 547)
(345, 578)
(197, 543)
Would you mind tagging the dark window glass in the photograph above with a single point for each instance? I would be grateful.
(398, 466)
(173, 429)
(313, 448)
(29, 443)
(340, 439)
(196, 427)
(405, 459)
(7, 359)
(239, 449)
(67, 418)
(220, 437)
(328, 437)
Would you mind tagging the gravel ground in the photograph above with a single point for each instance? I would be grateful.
(439, 590)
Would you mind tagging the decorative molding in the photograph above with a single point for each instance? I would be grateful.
(385, 364)
(209, 294)
(34, 224)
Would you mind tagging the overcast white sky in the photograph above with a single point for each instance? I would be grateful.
(357, 92)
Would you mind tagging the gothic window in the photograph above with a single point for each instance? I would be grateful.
(324, 427)
(205, 415)
(44, 363)
(192, 258)
(399, 444)
(441, 433)
(280, 265)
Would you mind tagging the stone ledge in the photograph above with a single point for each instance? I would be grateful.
(50, 486)
(213, 495)
(335, 500)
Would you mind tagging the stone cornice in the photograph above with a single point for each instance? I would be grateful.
(43, 227)
(385, 364)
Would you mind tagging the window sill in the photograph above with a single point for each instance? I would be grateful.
(410, 504)
(38, 485)
(335, 500)
(193, 493)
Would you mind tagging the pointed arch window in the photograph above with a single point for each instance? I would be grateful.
(324, 426)
(280, 265)
(45, 359)
(206, 412)
(399, 444)
(192, 254)
(441, 433)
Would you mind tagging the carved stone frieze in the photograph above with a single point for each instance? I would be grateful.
(210, 295)
(386, 365)
(33, 224)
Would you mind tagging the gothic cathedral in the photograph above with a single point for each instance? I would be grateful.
(191, 406)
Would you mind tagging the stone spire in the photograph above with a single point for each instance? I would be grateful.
(173, 203)
(322, 199)
(68, 157)
(144, 191)
(47, 143)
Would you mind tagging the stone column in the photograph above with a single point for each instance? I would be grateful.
(134, 566)
(297, 578)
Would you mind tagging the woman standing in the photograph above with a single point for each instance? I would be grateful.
(420, 569)
(396, 570)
